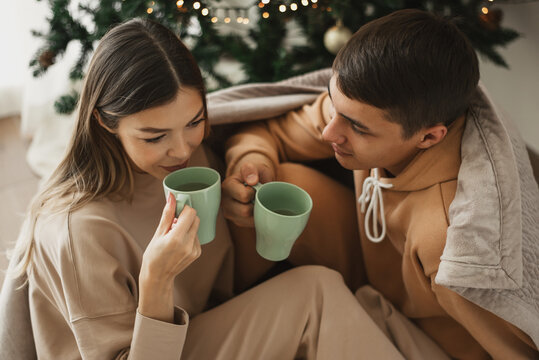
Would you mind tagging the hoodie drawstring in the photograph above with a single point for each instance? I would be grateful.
(372, 194)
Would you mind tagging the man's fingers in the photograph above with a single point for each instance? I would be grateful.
(249, 174)
(240, 214)
(235, 189)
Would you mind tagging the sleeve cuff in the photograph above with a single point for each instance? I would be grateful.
(153, 337)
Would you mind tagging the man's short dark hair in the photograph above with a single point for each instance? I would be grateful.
(418, 67)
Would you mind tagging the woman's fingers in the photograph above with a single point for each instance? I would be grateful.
(167, 217)
(184, 222)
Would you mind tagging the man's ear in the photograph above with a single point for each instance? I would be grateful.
(432, 136)
(96, 114)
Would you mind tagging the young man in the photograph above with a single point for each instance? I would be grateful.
(395, 113)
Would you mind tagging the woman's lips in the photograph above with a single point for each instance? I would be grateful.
(175, 167)
(339, 151)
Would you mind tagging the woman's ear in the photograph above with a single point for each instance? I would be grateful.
(96, 114)
(432, 136)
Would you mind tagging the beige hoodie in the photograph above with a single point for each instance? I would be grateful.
(402, 266)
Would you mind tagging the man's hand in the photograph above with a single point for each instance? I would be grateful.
(237, 198)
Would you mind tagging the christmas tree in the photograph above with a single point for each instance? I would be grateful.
(263, 53)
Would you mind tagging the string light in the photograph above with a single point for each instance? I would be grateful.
(241, 12)
(484, 10)
(149, 10)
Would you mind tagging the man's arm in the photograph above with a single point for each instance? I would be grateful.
(253, 154)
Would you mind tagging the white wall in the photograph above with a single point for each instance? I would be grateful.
(17, 18)
(516, 90)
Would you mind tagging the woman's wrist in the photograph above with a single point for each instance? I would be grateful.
(156, 297)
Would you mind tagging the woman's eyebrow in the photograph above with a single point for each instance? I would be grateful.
(160, 130)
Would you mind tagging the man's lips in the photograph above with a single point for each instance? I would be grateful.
(339, 151)
(175, 167)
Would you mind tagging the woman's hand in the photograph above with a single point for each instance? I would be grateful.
(172, 249)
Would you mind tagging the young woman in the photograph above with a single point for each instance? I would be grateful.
(112, 274)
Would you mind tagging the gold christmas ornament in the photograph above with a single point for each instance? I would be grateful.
(336, 37)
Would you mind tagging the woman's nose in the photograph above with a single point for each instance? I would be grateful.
(333, 132)
(179, 148)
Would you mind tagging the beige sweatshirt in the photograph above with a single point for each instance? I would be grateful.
(403, 266)
(83, 290)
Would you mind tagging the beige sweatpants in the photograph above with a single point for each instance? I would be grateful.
(305, 313)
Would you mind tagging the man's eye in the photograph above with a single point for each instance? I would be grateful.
(357, 129)
(155, 139)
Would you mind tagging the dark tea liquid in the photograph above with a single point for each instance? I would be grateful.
(286, 212)
(194, 186)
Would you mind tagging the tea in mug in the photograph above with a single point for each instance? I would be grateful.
(194, 186)
(286, 212)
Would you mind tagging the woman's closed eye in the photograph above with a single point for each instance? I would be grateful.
(195, 123)
(154, 139)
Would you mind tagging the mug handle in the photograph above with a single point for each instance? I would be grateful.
(255, 187)
(181, 201)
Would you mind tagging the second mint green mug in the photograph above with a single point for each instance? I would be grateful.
(200, 188)
(281, 212)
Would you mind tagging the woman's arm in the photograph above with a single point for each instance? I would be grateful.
(173, 248)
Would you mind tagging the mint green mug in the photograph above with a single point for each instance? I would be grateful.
(281, 212)
(200, 188)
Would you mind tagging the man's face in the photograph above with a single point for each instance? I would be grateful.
(363, 138)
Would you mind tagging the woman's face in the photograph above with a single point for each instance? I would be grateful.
(160, 140)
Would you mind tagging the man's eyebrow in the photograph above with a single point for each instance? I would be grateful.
(355, 122)
(158, 130)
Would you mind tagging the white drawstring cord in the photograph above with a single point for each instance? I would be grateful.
(372, 187)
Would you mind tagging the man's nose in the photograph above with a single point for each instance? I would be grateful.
(333, 132)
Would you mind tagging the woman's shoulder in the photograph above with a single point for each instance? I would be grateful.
(84, 258)
(70, 229)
